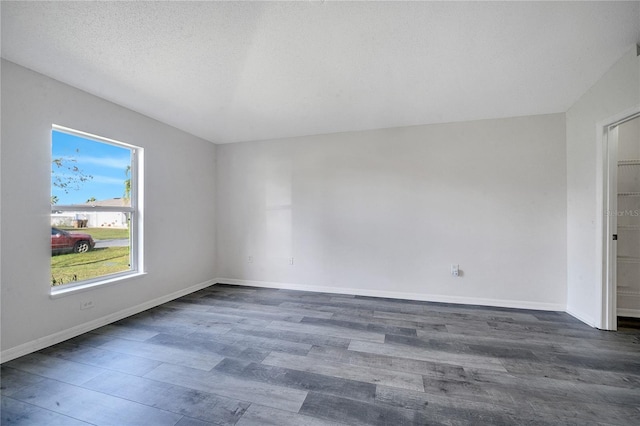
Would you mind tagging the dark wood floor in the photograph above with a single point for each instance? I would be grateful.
(245, 356)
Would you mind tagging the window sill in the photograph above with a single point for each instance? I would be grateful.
(57, 292)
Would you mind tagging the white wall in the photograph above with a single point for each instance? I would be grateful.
(618, 90)
(180, 177)
(378, 212)
(386, 212)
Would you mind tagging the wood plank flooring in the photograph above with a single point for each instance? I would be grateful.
(232, 355)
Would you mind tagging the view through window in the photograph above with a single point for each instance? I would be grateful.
(93, 208)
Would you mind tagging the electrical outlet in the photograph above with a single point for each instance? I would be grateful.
(250, 259)
(455, 270)
(88, 304)
(291, 261)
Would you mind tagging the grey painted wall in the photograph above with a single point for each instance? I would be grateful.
(179, 209)
(387, 212)
(617, 91)
(513, 201)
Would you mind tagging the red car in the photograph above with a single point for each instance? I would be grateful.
(63, 241)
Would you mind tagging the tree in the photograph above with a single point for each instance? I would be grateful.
(66, 175)
(92, 200)
(54, 199)
(127, 183)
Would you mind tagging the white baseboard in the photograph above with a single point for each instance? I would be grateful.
(632, 313)
(518, 304)
(590, 321)
(61, 336)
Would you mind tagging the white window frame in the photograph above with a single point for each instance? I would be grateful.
(135, 211)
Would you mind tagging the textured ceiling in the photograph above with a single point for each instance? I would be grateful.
(236, 71)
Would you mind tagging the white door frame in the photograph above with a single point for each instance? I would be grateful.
(606, 222)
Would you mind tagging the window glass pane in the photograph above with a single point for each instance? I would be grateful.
(90, 236)
(87, 171)
(80, 254)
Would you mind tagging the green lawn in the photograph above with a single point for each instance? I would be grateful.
(68, 268)
(100, 233)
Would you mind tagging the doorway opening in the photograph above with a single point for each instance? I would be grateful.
(621, 220)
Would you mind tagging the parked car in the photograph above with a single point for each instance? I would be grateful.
(63, 241)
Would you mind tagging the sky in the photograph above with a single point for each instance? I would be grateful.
(105, 163)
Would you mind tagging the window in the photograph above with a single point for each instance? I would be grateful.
(95, 210)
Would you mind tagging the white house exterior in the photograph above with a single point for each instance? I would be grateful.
(94, 219)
